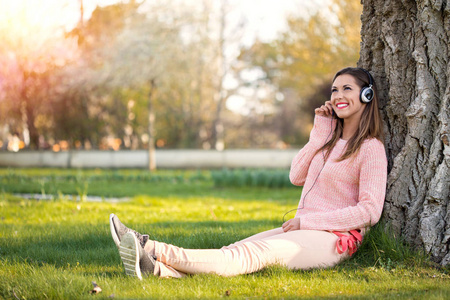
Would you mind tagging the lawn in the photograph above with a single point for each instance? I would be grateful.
(57, 248)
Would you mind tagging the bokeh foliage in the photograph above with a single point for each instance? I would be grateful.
(100, 84)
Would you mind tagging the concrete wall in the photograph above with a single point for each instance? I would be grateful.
(139, 159)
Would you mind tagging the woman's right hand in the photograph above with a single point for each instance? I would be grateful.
(291, 225)
(325, 110)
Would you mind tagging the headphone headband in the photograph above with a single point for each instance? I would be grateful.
(368, 75)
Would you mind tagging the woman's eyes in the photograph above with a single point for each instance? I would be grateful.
(345, 89)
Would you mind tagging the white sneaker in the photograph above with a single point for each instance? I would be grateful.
(129, 250)
(118, 230)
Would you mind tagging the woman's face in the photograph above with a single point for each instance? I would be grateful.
(345, 98)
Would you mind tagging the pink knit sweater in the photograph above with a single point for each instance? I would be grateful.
(346, 195)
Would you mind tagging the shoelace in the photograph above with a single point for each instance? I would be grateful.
(350, 242)
(143, 239)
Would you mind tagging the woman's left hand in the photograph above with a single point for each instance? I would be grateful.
(292, 224)
(325, 110)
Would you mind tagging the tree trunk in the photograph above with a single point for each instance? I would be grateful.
(151, 128)
(406, 46)
(30, 134)
(218, 135)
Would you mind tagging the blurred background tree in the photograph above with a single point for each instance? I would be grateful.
(300, 64)
(30, 62)
(171, 74)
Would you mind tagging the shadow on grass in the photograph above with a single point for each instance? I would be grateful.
(69, 245)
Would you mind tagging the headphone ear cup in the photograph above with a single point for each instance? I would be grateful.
(366, 94)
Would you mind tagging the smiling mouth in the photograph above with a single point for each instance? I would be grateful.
(341, 105)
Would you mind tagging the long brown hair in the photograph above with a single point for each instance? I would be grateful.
(370, 124)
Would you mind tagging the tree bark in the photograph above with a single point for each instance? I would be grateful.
(405, 44)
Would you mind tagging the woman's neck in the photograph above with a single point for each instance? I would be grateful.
(350, 127)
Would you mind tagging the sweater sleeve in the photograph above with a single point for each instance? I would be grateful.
(321, 132)
(372, 189)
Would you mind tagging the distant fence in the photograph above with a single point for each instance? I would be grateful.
(165, 159)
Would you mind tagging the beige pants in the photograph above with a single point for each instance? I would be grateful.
(300, 249)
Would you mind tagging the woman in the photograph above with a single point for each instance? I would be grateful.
(343, 171)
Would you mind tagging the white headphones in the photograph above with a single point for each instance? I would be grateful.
(367, 92)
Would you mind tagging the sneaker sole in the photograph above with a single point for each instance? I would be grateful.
(113, 230)
(129, 253)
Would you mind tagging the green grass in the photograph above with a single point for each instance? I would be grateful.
(55, 249)
(129, 183)
(251, 178)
